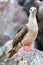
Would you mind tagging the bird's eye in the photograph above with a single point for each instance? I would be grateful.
(35, 10)
(30, 9)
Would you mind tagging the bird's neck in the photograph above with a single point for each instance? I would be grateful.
(32, 23)
(32, 19)
(32, 15)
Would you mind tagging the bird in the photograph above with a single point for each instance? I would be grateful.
(32, 25)
(27, 34)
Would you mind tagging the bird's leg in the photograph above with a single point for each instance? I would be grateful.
(28, 48)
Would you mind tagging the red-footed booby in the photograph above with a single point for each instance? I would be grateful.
(32, 29)
(26, 35)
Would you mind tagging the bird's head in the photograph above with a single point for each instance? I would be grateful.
(33, 11)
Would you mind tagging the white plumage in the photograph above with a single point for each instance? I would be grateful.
(32, 28)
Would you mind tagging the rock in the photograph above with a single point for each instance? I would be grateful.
(21, 2)
(13, 19)
(40, 13)
(41, 24)
(32, 58)
(4, 50)
(19, 15)
(8, 46)
(31, 3)
(13, 1)
(39, 40)
(3, 4)
(3, 63)
(3, 39)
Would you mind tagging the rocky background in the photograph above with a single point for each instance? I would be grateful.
(13, 16)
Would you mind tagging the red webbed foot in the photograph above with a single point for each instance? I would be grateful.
(27, 48)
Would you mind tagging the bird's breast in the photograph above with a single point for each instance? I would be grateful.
(32, 24)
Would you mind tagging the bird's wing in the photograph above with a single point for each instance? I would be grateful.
(19, 36)
(21, 27)
(29, 37)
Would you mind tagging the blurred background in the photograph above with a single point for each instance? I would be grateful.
(14, 14)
